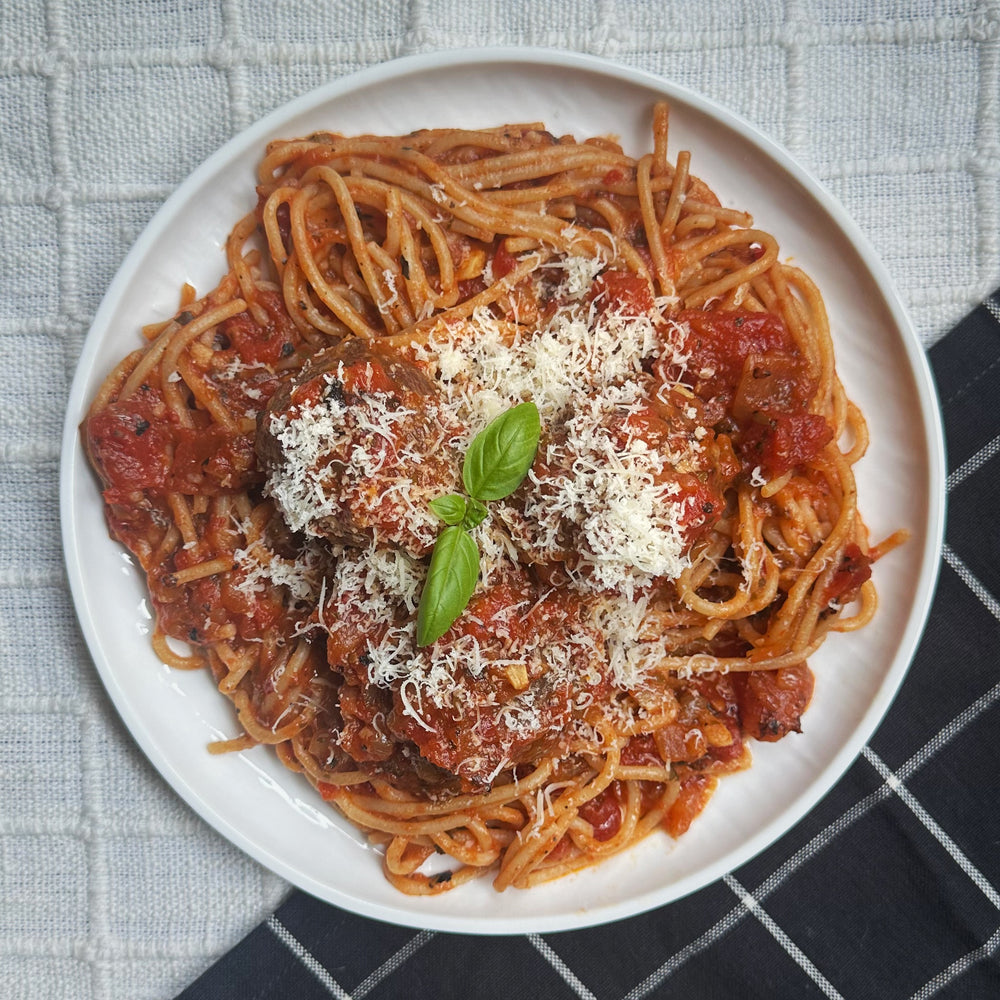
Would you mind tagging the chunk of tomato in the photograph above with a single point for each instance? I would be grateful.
(604, 812)
(696, 789)
(622, 291)
(256, 344)
(718, 343)
(780, 442)
(130, 443)
(854, 569)
(772, 701)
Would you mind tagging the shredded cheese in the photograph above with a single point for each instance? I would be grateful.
(599, 491)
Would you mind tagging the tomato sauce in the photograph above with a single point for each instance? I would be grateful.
(622, 290)
(745, 366)
(139, 446)
(255, 344)
(695, 792)
(604, 812)
(719, 343)
(779, 443)
(503, 261)
(771, 702)
(131, 443)
(642, 751)
(854, 570)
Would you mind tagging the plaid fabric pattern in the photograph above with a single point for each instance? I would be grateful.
(889, 888)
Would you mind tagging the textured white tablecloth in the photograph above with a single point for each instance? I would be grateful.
(109, 885)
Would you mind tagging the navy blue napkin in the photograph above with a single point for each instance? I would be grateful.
(889, 888)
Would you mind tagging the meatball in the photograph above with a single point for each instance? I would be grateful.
(354, 446)
(519, 668)
(620, 490)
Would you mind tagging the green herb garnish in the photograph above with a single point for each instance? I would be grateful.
(455, 509)
(496, 463)
(450, 582)
(501, 454)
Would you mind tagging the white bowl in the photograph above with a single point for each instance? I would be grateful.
(274, 815)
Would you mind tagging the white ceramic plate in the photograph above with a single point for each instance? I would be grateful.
(274, 815)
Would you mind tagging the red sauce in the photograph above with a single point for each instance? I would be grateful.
(469, 287)
(772, 701)
(721, 692)
(503, 261)
(778, 443)
(255, 344)
(211, 460)
(131, 443)
(622, 290)
(641, 751)
(721, 342)
(695, 792)
(138, 446)
(746, 366)
(773, 382)
(485, 609)
(855, 568)
(604, 812)
(681, 741)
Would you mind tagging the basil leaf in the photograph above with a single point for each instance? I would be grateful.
(497, 461)
(475, 513)
(501, 453)
(451, 579)
(451, 508)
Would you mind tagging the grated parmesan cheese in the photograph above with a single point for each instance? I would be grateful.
(599, 490)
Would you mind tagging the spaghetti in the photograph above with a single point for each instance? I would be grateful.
(686, 538)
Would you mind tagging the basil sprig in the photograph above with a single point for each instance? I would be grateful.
(499, 457)
(455, 509)
(496, 463)
(450, 582)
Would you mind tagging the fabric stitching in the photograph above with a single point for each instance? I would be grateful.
(972, 465)
(933, 827)
(676, 961)
(568, 976)
(991, 308)
(389, 966)
(972, 582)
(784, 940)
(960, 966)
(302, 953)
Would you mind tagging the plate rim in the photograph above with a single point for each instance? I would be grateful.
(918, 369)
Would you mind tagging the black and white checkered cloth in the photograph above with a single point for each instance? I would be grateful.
(889, 888)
